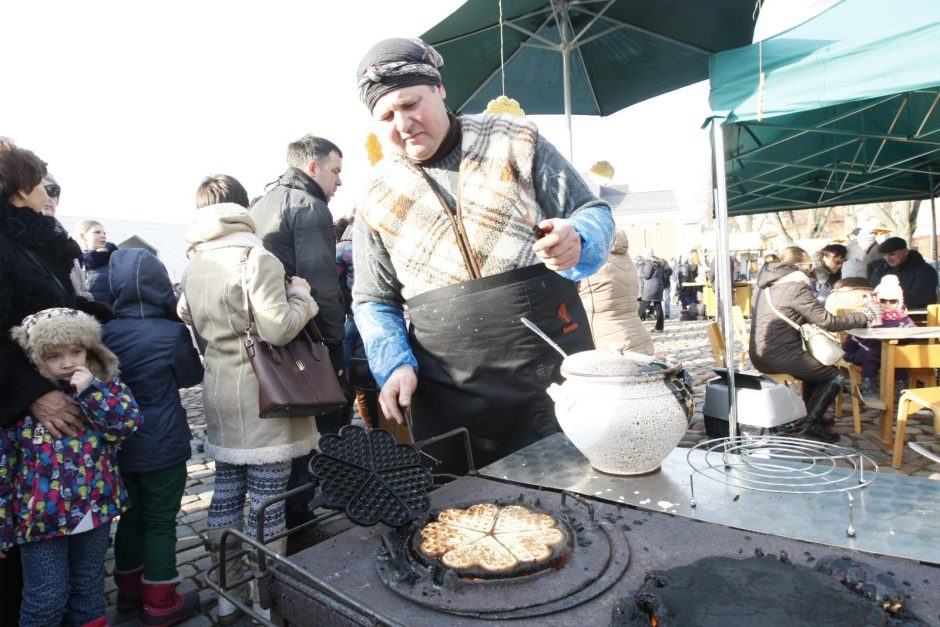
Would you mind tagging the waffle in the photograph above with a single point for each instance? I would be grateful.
(439, 538)
(480, 517)
(491, 539)
(485, 553)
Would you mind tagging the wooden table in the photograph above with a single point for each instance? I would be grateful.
(915, 353)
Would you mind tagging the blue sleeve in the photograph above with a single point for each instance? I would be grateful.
(385, 337)
(187, 367)
(595, 226)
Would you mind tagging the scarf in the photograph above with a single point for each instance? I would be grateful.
(43, 235)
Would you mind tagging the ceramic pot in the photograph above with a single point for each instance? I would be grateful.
(624, 411)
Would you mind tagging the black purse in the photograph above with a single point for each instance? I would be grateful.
(294, 380)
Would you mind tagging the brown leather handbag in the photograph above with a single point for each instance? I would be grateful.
(294, 380)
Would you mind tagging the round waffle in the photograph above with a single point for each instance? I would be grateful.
(489, 541)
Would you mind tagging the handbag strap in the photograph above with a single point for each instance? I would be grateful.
(780, 315)
(313, 331)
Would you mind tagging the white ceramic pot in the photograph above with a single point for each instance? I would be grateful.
(624, 411)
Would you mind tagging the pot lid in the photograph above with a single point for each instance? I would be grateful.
(613, 362)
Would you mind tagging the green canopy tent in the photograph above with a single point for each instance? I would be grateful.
(842, 109)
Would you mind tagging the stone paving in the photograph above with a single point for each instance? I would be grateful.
(686, 342)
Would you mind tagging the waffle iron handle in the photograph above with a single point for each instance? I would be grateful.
(462, 431)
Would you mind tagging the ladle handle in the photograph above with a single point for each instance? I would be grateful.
(542, 335)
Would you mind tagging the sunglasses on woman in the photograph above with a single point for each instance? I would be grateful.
(53, 190)
(888, 301)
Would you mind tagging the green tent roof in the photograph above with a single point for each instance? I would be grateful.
(849, 112)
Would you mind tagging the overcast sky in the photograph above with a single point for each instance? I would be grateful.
(133, 103)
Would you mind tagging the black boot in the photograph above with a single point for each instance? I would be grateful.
(819, 402)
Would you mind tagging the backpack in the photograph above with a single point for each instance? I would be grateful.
(667, 272)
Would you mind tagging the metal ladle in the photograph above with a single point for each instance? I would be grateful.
(542, 335)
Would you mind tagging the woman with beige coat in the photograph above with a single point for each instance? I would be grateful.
(252, 455)
(609, 297)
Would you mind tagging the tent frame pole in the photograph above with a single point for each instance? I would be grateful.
(723, 278)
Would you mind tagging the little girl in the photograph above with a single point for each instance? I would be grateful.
(867, 353)
(67, 490)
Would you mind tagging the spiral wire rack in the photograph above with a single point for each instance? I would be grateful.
(782, 464)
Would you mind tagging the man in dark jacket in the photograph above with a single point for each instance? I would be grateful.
(296, 225)
(918, 280)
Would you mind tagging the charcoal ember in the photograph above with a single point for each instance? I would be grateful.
(864, 579)
(728, 592)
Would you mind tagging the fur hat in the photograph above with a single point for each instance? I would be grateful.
(60, 326)
(890, 289)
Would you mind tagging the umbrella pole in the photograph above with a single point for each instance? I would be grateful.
(723, 270)
(566, 78)
(933, 222)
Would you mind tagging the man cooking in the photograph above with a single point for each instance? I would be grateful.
(446, 226)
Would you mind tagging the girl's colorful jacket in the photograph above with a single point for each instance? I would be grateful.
(57, 481)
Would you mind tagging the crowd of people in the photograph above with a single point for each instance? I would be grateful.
(466, 225)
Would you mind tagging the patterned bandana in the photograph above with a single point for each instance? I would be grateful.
(395, 63)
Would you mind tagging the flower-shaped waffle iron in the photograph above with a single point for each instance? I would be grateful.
(371, 476)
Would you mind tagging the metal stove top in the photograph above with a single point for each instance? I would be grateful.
(347, 563)
(895, 515)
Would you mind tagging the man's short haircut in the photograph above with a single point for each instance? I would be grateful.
(20, 169)
(221, 188)
(836, 250)
(310, 148)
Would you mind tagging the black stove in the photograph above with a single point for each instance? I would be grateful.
(368, 575)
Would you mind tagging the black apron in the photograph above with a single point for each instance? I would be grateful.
(479, 367)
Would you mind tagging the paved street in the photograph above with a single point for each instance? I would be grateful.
(684, 341)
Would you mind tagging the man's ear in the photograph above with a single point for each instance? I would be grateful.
(312, 167)
(443, 91)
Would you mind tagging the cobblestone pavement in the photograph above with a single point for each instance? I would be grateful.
(685, 342)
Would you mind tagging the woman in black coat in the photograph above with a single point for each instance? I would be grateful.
(36, 259)
(96, 253)
(777, 347)
(652, 289)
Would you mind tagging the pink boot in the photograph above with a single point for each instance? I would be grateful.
(128, 586)
(163, 606)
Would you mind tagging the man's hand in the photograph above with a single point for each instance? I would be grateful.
(58, 413)
(560, 249)
(396, 393)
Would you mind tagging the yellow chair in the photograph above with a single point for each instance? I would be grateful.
(717, 342)
(927, 377)
(910, 402)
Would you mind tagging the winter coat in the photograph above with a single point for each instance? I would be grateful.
(609, 297)
(96, 272)
(61, 480)
(687, 273)
(652, 280)
(36, 259)
(345, 271)
(8, 461)
(918, 279)
(212, 286)
(157, 358)
(777, 347)
(296, 226)
(823, 282)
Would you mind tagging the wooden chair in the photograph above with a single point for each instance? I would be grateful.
(717, 342)
(910, 402)
(927, 377)
(910, 356)
(854, 374)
